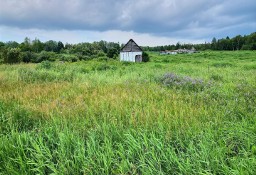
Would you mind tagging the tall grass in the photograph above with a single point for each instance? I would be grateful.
(107, 117)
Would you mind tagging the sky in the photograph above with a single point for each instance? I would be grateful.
(148, 22)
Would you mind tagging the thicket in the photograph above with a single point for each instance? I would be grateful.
(246, 42)
(36, 51)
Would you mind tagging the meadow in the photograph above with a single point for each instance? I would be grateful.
(177, 114)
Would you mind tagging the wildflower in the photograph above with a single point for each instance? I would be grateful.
(186, 82)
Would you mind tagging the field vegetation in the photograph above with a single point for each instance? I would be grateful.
(177, 114)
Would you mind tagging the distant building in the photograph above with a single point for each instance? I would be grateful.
(178, 51)
(168, 52)
(131, 52)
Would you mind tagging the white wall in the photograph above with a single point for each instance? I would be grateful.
(129, 56)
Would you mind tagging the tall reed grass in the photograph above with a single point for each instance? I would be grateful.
(107, 117)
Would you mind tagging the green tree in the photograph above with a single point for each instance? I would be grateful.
(25, 45)
(1, 44)
(37, 46)
(112, 52)
(11, 44)
(28, 56)
(12, 55)
(214, 43)
(249, 42)
(178, 45)
(238, 42)
(51, 46)
(103, 46)
(60, 46)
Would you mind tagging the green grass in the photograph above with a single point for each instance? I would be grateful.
(108, 117)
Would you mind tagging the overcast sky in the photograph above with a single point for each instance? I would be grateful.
(148, 22)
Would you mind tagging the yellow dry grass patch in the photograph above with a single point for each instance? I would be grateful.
(135, 103)
(32, 96)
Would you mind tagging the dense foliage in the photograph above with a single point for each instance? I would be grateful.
(247, 42)
(36, 51)
(177, 114)
(145, 57)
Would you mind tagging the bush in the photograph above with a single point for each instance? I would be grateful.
(101, 54)
(1, 58)
(83, 57)
(45, 65)
(73, 58)
(112, 53)
(27, 57)
(43, 56)
(12, 55)
(145, 57)
(69, 58)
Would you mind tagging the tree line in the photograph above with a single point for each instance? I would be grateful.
(246, 42)
(36, 51)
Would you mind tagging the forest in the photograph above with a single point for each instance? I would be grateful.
(246, 42)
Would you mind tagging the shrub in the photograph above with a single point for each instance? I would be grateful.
(45, 65)
(145, 57)
(12, 55)
(101, 54)
(69, 58)
(83, 57)
(175, 81)
(28, 56)
(1, 58)
(112, 53)
(73, 58)
(43, 56)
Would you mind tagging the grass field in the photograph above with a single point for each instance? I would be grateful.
(177, 114)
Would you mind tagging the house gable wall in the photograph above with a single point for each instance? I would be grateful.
(131, 46)
(129, 56)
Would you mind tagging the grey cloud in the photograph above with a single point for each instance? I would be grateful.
(198, 18)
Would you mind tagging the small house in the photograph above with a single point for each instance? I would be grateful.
(131, 52)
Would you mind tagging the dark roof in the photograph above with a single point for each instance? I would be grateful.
(131, 46)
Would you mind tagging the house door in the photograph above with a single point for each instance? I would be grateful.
(138, 58)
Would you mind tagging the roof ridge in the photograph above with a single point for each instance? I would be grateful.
(131, 41)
